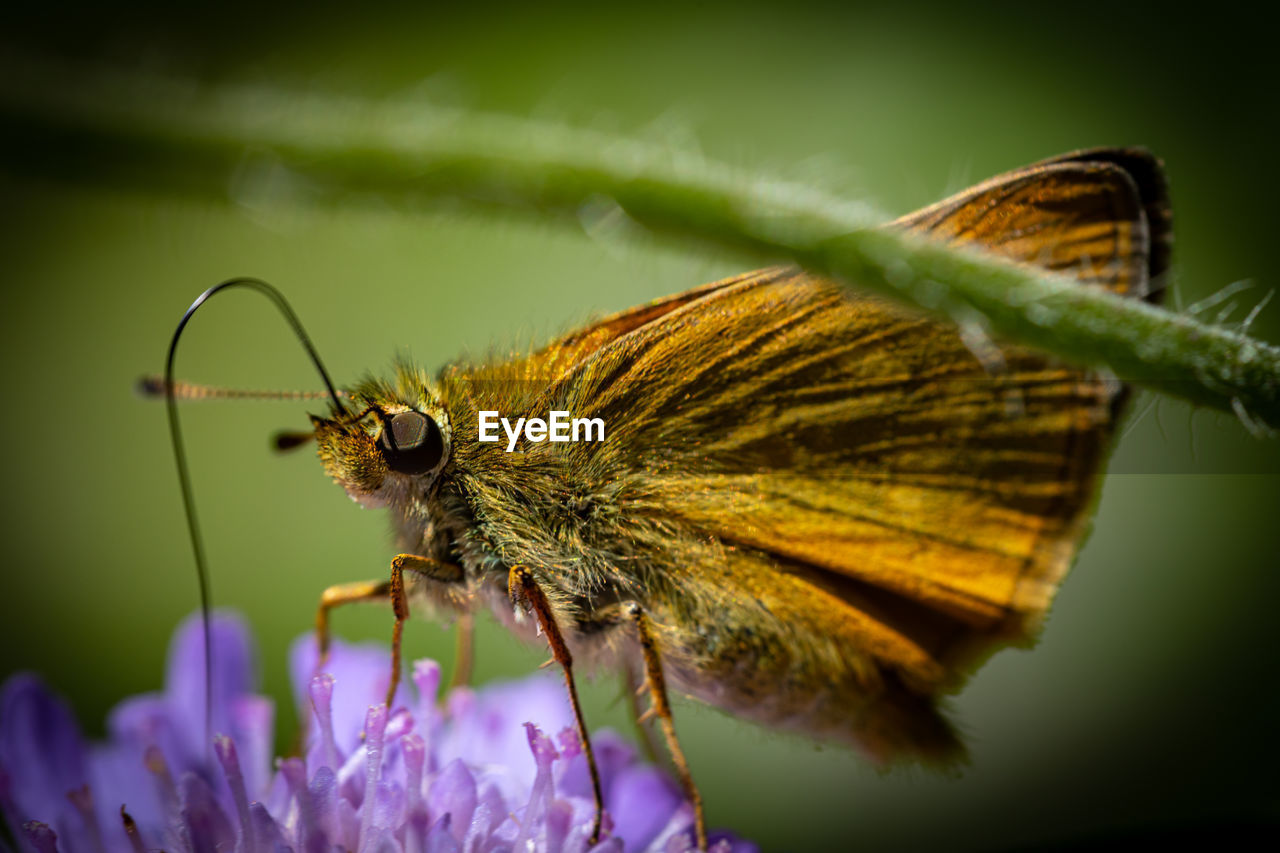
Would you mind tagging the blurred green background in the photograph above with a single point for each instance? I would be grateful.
(1151, 699)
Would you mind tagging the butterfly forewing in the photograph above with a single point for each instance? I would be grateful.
(877, 505)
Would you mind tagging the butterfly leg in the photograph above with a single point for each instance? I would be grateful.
(661, 708)
(463, 651)
(336, 596)
(523, 588)
(426, 567)
(635, 688)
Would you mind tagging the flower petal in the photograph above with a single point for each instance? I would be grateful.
(42, 838)
(253, 729)
(267, 831)
(613, 755)
(489, 729)
(642, 801)
(208, 827)
(234, 675)
(726, 842)
(453, 792)
(360, 678)
(225, 749)
(440, 839)
(40, 749)
(324, 750)
(481, 778)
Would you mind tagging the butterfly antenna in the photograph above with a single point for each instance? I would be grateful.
(184, 474)
(153, 386)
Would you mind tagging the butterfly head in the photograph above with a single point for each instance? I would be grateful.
(391, 449)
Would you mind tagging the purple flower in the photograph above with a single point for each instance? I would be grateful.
(481, 774)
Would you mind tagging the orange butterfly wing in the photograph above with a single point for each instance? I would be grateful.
(878, 508)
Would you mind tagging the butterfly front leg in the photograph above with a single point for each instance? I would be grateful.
(337, 596)
(393, 589)
(435, 570)
(656, 685)
(523, 589)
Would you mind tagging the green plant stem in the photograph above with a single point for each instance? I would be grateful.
(176, 135)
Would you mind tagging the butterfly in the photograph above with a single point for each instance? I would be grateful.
(812, 508)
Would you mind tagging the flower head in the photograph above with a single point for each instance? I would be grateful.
(495, 769)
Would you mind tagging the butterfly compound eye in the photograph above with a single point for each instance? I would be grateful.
(411, 443)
